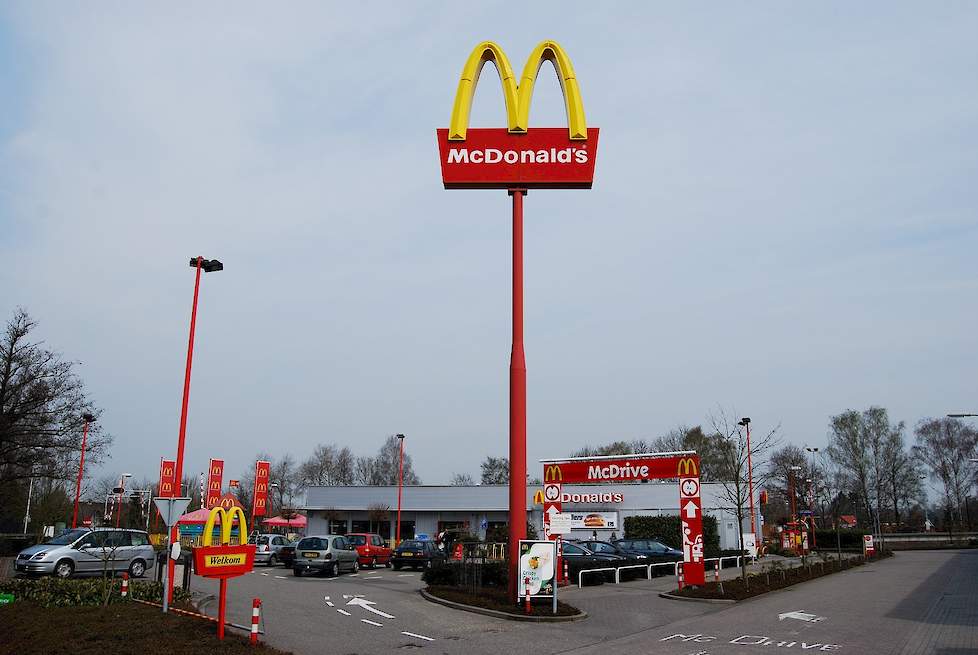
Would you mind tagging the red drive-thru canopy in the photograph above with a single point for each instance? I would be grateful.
(297, 521)
(684, 466)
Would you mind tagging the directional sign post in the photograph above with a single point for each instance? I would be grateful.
(171, 509)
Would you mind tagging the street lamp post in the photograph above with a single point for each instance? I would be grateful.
(208, 266)
(811, 506)
(400, 487)
(30, 493)
(121, 495)
(745, 422)
(81, 468)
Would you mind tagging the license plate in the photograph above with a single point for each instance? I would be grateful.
(407, 554)
(310, 555)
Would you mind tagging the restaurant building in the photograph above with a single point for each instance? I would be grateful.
(482, 509)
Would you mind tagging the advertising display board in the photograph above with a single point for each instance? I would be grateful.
(869, 548)
(215, 477)
(593, 520)
(538, 563)
(168, 481)
(259, 504)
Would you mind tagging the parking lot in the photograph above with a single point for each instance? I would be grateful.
(895, 606)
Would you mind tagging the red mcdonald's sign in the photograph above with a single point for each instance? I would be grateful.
(260, 502)
(215, 475)
(168, 483)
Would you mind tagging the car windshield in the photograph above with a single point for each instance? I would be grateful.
(357, 539)
(412, 544)
(66, 538)
(313, 543)
(655, 545)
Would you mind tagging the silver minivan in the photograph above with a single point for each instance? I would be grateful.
(267, 547)
(328, 554)
(84, 551)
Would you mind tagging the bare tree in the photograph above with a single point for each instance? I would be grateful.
(946, 446)
(735, 473)
(849, 448)
(42, 404)
(461, 480)
(329, 466)
(386, 469)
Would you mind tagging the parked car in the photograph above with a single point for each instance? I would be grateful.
(656, 551)
(579, 558)
(84, 551)
(286, 554)
(330, 554)
(371, 549)
(417, 554)
(615, 548)
(268, 548)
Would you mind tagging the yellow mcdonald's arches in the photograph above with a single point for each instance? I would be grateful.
(538, 497)
(518, 97)
(553, 474)
(227, 518)
(687, 466)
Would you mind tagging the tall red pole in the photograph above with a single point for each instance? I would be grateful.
(517, 405)
(183, 423)
(750, 487)
(81, 471)
(400, 486)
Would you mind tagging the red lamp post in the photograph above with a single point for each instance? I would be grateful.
(750, 479)
(208, 266)
(81, 468)
(400, 487)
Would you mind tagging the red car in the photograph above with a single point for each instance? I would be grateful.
(371, 549)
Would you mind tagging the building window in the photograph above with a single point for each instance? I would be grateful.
(407, 530)
(361, 526)
(337, 527)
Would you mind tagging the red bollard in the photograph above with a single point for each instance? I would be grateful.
(255, 613)
(529, 609)
(125, 585)
(679, 570)
(566, 572)
(716, 571)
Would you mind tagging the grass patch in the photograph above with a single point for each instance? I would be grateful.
(497, 599)
(119, 628)
(773, 578)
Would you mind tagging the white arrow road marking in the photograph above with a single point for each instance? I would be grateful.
(352, 595)
(343, 612)
(690, 509)
(801, 616)
(379, 625)
(411, 634)
(328, 602)
(365, 604)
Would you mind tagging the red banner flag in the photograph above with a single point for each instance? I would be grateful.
(214, 477)
(260, 503)
(168, 483)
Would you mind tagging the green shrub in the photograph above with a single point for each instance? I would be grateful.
(494, 574)
(666, 528)
(54, 592)
(11, 545)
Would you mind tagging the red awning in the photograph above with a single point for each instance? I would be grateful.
(297, 521)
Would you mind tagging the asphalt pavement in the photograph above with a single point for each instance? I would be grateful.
(914, 603)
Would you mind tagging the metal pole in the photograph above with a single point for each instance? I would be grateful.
(183, 417)
(400, 486)
(118, 513)
(750, 487)
(30, 493)
(517, 404)
(81, 469)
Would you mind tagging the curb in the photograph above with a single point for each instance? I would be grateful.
(714, 601)
(532, 618)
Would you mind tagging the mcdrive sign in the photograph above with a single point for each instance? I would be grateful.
(515, 156)
(649, 466)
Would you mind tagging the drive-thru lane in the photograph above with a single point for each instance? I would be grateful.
(896, 606)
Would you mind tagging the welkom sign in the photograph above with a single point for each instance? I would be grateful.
(684, 466)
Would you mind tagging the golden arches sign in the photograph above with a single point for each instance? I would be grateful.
(553, 474)
(227, 519)
(687, 467)
(518, 96)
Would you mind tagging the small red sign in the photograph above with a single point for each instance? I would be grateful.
(168, 478)
(215, 477)
(223, 561)
(259, 505)
(542, 158)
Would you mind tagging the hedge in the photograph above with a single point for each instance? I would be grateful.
(451, 574)
(666, 528)
(55, 592)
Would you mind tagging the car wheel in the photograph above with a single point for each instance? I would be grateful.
(335, 571)
(64, 568)
(272, 560)
(137, 569)
(388, 563)
(297, 572)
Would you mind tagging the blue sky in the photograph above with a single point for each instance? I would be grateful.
(783, 221)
